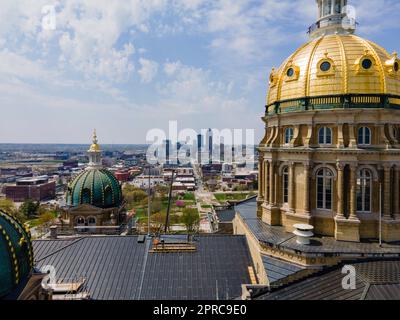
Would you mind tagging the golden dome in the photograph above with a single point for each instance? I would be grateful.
(336, 64)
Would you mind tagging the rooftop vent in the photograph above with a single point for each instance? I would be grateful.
(304, 233)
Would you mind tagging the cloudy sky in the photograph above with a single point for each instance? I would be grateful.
(125, 67)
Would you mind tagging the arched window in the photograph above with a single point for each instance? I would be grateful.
(324, 189)
(364, 191)
(364, 136)
(285, 183)
(325, 135)
(289, 133)
(80, 221)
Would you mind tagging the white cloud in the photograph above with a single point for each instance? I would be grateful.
(192, 90)
(148, 70)
(91, 58)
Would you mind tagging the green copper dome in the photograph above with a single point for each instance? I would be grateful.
(16, 255)
(96, 187)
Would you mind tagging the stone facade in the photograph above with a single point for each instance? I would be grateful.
(345, 203)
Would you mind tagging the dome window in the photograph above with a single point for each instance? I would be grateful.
(273, 79)
(367, 64)
(292, 72)
(326, 67)
(393, 65)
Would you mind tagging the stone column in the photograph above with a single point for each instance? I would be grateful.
(396, 192)
(387, 191)
(261, 180)
(353, 192)
(340, 190)
(292, 188)
(271, 183)
(307, 209)
(276, 184)
(352, 137)
(266, 182)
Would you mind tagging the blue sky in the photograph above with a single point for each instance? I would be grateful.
(125, 67)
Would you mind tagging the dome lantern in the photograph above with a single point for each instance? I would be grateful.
(94, 153)
(334, 17)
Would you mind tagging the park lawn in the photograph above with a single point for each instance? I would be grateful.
(33, 223)
(223, 197)
(189, 197)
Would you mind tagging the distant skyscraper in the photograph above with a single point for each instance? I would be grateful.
(209, 138)
(199, 147)
(167, 145)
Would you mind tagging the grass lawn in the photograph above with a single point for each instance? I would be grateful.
(223, 197)
(189, 197)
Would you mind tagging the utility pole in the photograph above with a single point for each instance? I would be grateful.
(148, 203)
(169, 201)
(380, 214)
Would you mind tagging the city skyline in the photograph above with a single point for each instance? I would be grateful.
(132, 66)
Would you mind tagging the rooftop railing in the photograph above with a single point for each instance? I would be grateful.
(349, 101)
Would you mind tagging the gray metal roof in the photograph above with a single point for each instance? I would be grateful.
(226, 215)
(375, 280)
(119, 268)
(276, 236)
(279, 270)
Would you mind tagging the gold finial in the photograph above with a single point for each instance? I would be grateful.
(94, 137)
(395, 54)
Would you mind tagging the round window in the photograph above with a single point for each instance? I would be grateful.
(325, 66)
(367, 64)
(290, 72)
(396, 66)
(271, 78)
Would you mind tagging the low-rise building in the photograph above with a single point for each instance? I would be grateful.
(122, 175)
(35, 188)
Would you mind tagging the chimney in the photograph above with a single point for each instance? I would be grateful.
(53, 232)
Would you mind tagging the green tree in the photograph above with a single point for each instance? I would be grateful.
(191, 220)
(46, 218)
(29, 208)
(156, 206)
(7, 205)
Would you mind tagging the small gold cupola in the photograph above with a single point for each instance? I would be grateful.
(94, 153)
(334, 17)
